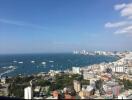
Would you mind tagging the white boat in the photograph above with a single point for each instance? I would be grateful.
(51, 61)
(14, 61)
(32, 61)
(43, 63)
(20, 62)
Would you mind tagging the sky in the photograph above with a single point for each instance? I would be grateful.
(48, 26)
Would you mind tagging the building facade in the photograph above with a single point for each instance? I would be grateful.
(28, 94)
(77, 85)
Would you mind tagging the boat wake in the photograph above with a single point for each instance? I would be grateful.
(6, 70)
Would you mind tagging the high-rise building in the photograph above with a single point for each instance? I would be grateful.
(77, 85)
(28, 93)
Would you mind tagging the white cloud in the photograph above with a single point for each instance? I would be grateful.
(20, 23)
(119, 6)
(116, 24)
(125, 10)
(126, 30)
(124, 26)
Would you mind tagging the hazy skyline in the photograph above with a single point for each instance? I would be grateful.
(41, 26)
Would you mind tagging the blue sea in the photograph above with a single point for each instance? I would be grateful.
(27, 64)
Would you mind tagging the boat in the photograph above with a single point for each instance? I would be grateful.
(51, 61)
(43, 63)
(20, 62)
(14, 61)
(32, 61)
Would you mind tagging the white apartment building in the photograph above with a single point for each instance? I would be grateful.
(119, 69)
(28, 94)
(76, 70)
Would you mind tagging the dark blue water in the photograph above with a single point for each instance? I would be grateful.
(61, 62)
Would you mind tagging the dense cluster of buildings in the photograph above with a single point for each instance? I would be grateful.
(103, 82)
(108, 73)
(85, 52)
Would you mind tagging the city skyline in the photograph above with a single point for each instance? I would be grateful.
(64, 26)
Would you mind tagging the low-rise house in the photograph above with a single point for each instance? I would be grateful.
(3, 80)
(86, 91)
(67, 96)
(37, 89)
(106, 77)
